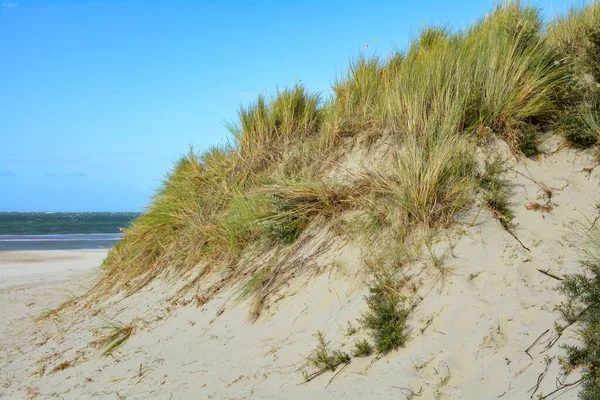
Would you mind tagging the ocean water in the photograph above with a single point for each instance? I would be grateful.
(61, 231)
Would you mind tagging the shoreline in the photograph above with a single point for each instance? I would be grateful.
(63, 241)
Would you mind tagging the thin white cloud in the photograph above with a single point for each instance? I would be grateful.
(9, 4)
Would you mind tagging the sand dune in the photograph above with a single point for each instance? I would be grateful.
(469, 334)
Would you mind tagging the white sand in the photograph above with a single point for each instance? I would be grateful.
(34, 281)
(43, 266)
(468, 335)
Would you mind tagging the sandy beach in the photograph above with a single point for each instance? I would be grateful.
(18, 268)
(34, 281)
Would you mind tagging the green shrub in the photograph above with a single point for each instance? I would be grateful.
(575, 129)
(386, 316)
(582, 306)
(324, 358)
(362, 348)
(286, 225)
(528, 142)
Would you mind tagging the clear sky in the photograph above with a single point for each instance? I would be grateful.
(98, 99)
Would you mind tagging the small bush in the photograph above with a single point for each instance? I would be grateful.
(362, 348)
(580, 126)
(582, 306)
(592, 120)
(386, 316)
(350, 329)
(528, 142)
(325, 358)
(497, 200)
(285, 226)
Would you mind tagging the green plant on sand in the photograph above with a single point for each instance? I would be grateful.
(326, 359)
(582, 307)
(386, 316)
(115, 335)
(362, 348)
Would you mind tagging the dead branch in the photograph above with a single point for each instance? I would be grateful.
(590, 170)
(337, 373)
(563, 386)
(504, 224)
(558, 335)
(418, 394)
(536, 340)
(321, 372)
(594, 223)
(515, 236)
(540, 378)
(550, 275)
(313, 376)
(542, 185)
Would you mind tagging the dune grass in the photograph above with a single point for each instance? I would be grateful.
(292, 113)
(429, 181)
(496, 193)
(575, 37)
(507, 76)
(115, 334)
(496, 77)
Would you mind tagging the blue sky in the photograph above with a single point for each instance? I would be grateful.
(98, 99)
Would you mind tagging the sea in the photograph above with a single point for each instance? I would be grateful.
(61, 230)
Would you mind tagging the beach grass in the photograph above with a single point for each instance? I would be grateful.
(114, 335)
(575, 37)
